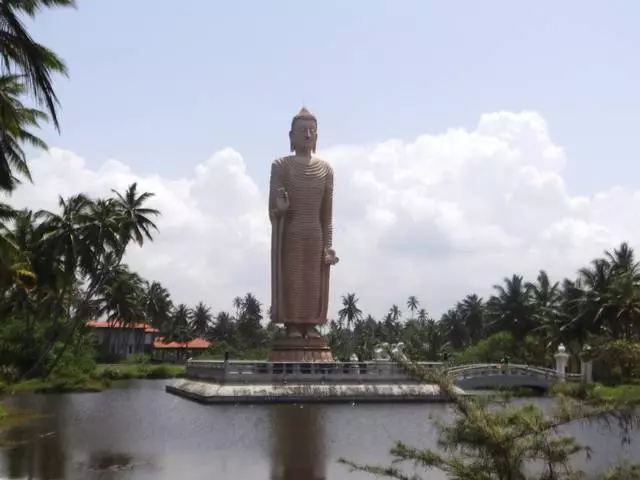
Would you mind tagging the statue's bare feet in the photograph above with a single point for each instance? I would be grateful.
(294, 331)
(313, 333)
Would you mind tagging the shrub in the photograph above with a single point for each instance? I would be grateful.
(161, 371)
(487, 443)
(616, 361)
(138, 359)
(490, 350)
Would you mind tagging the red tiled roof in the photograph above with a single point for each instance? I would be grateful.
(119, 324)
(196, 343)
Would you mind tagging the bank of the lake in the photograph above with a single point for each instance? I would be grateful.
(140, 371)
(624, 392)
(98, 381)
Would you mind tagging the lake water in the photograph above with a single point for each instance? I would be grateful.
(137, 431)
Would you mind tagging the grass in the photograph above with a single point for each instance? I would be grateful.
(57, 385)
(97, 381)
(624, 392)
(138, 371)
(627, 393)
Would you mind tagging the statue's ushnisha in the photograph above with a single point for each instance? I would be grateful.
(300, 210)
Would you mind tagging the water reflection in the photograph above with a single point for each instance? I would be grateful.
(53, 447)
(298, 443)
(38, 452)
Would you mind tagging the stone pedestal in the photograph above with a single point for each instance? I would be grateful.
(562, 358)
(586, 365)
(299, 349)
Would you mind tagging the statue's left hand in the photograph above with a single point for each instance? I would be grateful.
(330, 257)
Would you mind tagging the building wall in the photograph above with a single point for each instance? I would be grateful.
(125, 342)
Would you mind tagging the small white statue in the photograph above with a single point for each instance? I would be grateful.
(381, 353)
(398, 351)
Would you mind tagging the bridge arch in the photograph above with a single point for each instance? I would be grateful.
(491, 376)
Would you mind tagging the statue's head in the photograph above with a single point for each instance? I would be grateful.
(304, 132)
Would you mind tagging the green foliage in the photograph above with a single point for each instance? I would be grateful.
(139, 371)
(580, 391)
(493, 439)
(489, 350)
(138, 359)
(76, 360)
(615, 361)
(75, 256)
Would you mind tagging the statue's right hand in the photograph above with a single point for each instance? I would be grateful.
(282, 201)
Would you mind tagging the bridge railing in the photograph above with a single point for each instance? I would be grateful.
(468, 371)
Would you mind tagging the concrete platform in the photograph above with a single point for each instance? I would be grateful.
(215, 393)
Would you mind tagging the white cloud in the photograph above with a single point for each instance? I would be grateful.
(438, 217)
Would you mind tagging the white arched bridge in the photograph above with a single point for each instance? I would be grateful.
(494, 376)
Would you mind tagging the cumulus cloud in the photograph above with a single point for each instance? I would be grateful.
(439, 216)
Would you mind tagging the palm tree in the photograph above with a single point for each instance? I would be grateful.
(237, 304)
(434, 340)
(62, 233)
(133, 217)
(223, 327)
(350, 310)
(248, 324)
(546, 297)
(511, 308)
(103, 242)
(180, 324)
(251, 306)
(412, 304)
(351, 313)
(15, 265)
(472, 310)
(201, 319)
(15, 122)
(89, 239)
(623, 302)
(623, 259)
(22, 55)
(395, 313)
(593, 309)
(120, 298)
(453, 328)
(158, 305)
(423, 316)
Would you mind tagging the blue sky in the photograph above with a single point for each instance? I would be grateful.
(161, 85)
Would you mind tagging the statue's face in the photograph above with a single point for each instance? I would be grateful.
(304, 134)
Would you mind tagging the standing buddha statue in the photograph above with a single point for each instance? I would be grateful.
(301, 210)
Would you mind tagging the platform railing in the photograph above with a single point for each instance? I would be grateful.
(317, 372)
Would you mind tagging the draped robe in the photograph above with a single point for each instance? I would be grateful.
(299, 241)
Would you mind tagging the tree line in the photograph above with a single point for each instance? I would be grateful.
(523, 320)
(600, 304)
